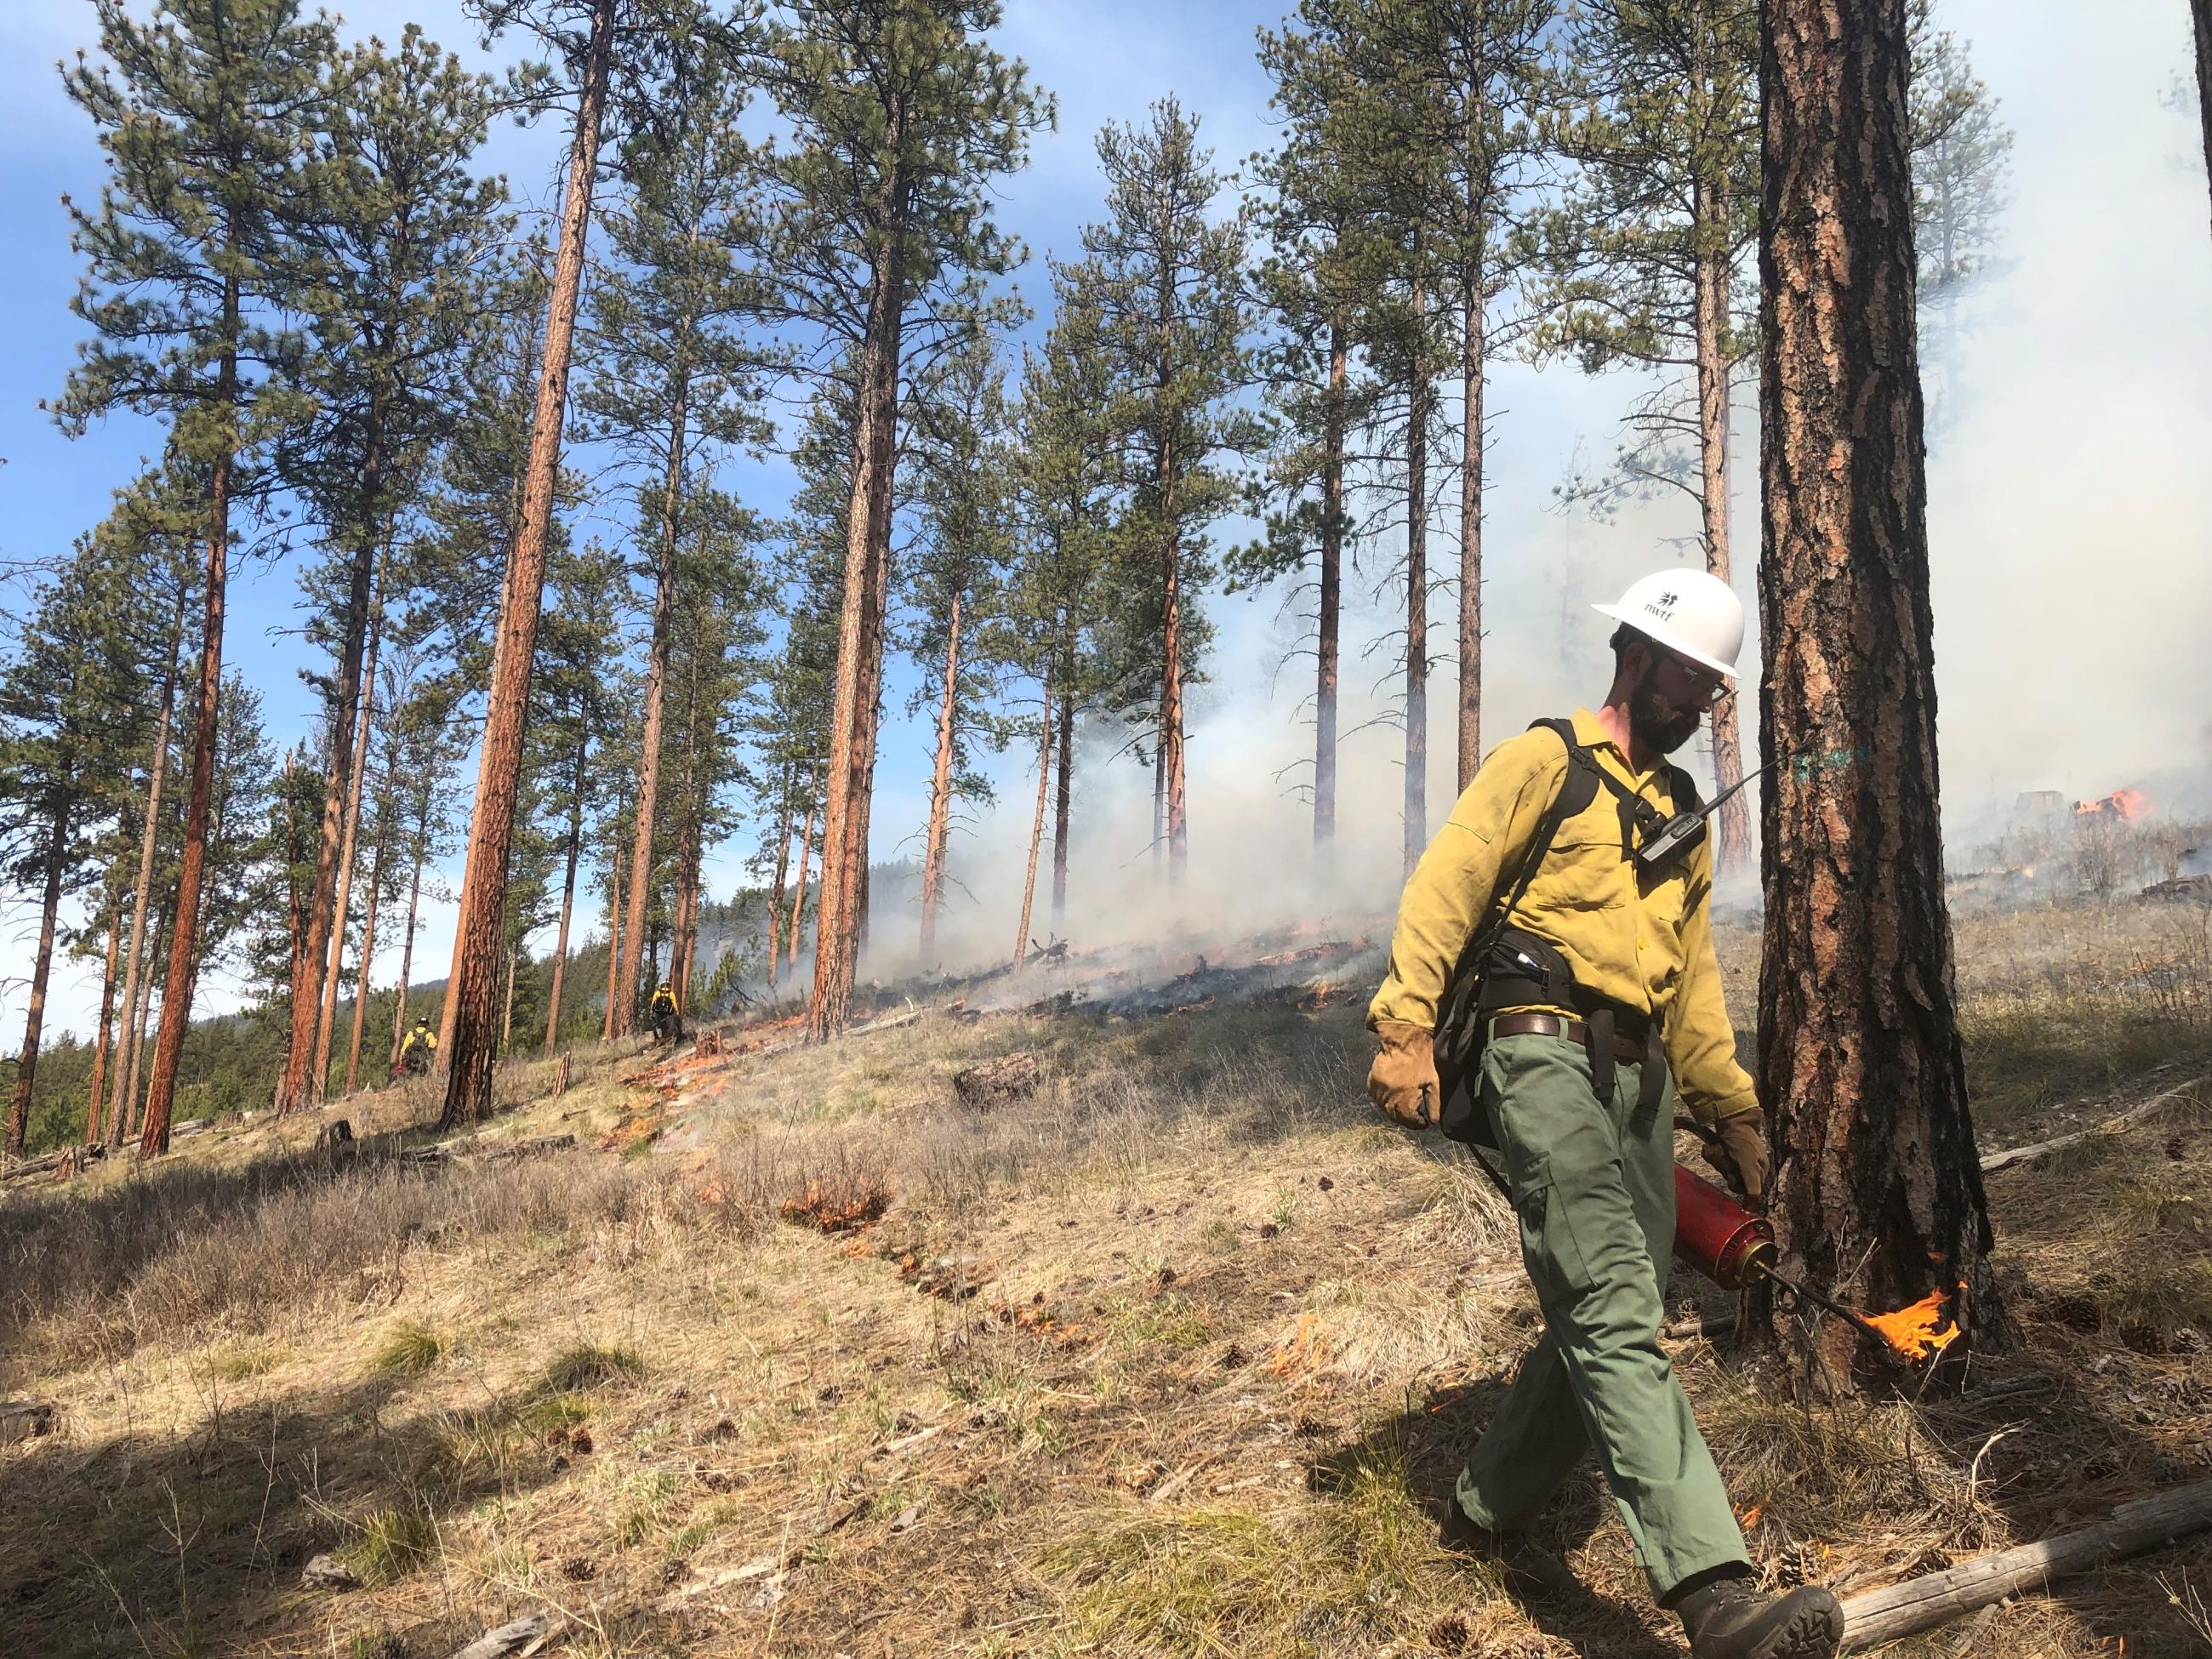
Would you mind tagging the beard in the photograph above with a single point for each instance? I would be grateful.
(1657, 724)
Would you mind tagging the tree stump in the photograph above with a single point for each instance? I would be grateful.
(338, 1133)
(1001, 1082)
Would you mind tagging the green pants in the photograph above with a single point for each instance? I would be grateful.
(1596, 1203)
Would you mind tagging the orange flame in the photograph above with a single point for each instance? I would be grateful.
(2125, 805)
(1921, 1330)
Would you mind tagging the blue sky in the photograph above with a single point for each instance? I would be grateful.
(2067, 513)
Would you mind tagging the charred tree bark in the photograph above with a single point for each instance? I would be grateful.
(106, 1039)
(1329, 620)
(1417, 598)
(940, 789)
(27, 1068)
(1734, 852)
(1878, 1192)
(567, 896)
(860, 630)
(137, 977)
(482, 923)
(1036, 826)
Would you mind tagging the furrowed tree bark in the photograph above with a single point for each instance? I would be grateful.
(1036, 826)
(106, 1039)
(124, 1123)
(1878, 1189)
(860, 638)
(136, 980)
(1416, 600)
(656, 696)
(299, 1084)
(482, 923)
(27, 1068)
(1064, 799)
(1171, 734)
(1329, 619)
(940, 789)
(1474, 348)
(185, 933)
(568, 896)
(319, 1077)
(1711, 301)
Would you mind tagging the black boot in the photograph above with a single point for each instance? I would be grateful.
(1530, 1573)
(1729, 1618)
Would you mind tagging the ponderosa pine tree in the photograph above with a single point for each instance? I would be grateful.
(1961, 157)
(902, 119)
(676, 376)
(403, 234)
(1877, 1192)
(1647, 247)
(191, 269)
(1164, 275)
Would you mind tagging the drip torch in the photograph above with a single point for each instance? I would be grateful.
(1734, 1248)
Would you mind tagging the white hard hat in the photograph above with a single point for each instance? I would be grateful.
(1694, 613)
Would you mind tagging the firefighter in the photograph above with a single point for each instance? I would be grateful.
(663, 1009)
(1584, 979)
(418, 1049)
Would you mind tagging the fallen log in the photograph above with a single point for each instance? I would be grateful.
(25, 1420)
(1006, 1080)
(2110, 1126)
(1935, 1598)
(525, 1635)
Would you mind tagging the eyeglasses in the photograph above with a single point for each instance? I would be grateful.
(1706, 688)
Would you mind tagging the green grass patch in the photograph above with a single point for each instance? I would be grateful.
(588, 1365)
(236, 1365)
(391, 1543)
(409, 1349)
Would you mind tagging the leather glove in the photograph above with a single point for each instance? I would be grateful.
(1402, 1081)
(1739, 1152)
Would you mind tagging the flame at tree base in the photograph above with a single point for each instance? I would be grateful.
(1921, 1330)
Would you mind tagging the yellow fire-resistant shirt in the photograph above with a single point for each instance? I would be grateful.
(1648, 949)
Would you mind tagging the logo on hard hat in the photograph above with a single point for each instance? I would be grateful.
(1661, 607)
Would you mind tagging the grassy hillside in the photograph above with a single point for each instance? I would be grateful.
(793, 1352)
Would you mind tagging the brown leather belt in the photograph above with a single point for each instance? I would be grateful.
(1625, 1047)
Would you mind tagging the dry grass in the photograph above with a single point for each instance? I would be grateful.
(1178, 1357)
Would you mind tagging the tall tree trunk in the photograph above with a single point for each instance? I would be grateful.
(1064, 800)
(1171, 746)
(185, 934)
(136, 975)
(1712, 320)
(1160, 787)
(1473, 356)
(300, 1082)
(507, 1017)
(130, 1111)
(567, 896)
(1878, 1189)
(940, 791)
(1417, 593)
(656, 696)
(614, 930)
(1328, 622)
(860, 633)
(376, 864)
(798, 898)
(483, 921)
(782, 876)
(2200, 12)
(27, 1068)
(414, 906)
(318, 1078)
(106, 1040)
(1036, 825)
